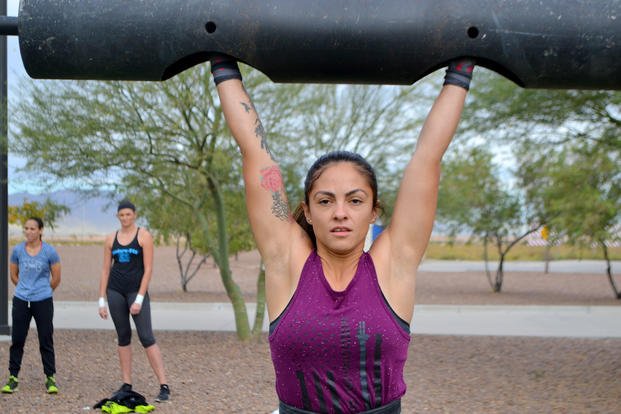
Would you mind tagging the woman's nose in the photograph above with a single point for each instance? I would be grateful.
(340, 211)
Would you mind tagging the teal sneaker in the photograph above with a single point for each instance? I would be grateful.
(11, 385)
(50, 384)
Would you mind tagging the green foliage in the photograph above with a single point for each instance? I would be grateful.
(567, 147)
(48, 211)
(472, 198)
(550, 118)
(584, 198)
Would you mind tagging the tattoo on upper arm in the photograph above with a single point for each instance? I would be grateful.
(259, 131)
(271, 180)
(247, 107)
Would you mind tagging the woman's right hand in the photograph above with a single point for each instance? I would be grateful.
(103, 312)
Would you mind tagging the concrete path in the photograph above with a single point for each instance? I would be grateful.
(542, 321)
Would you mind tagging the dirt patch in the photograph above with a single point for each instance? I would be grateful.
(213, 372)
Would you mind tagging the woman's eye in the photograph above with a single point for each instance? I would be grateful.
(356, 201)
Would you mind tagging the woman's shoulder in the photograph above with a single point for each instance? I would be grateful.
(144, 235)
(47, 247)
(50, 252)
(19, 247)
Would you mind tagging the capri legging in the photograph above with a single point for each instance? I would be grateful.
(119, 305)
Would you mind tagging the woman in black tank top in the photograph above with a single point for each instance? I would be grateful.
(127, 265)
(125, 277)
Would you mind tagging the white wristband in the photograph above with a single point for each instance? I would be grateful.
(102, 302)
(139, 299)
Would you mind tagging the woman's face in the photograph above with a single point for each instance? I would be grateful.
(32, 232)
(126, 216)
(340, 208)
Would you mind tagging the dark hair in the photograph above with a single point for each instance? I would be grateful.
(39, 222)
(125, 203)
(318, 168)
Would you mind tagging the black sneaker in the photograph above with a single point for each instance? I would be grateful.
(124, 388)
(164, 394)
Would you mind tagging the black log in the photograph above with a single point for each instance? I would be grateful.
(564, 44)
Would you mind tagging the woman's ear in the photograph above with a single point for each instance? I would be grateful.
(307, 213)
(378, 209)
(374, 215)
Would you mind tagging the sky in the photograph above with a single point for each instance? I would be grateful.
(16, 71)
(89, 216)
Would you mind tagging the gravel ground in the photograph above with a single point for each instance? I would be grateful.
(211, 372)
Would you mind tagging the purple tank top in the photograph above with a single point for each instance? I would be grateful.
(338, 352)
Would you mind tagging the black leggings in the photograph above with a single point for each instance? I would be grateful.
(119, 304)
(22, 313)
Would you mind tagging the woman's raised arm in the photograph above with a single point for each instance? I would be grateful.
(268, 208)
(415, 207)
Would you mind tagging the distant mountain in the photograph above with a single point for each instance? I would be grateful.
(94, 216)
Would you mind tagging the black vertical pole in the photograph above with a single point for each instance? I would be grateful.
(4, 189)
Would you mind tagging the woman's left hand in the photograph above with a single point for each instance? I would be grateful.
(135, 308)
